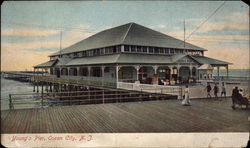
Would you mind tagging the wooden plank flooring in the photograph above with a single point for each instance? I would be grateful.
(205, 115)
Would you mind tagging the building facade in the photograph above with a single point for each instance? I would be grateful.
(131, 53)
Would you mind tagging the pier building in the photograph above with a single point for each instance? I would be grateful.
(130, 55)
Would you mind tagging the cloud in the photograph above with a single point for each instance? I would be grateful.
(28, 32)
(32, 45)
(160, 26)
(234, 21)
(20, 60)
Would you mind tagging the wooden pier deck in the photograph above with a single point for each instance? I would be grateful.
(205, 115)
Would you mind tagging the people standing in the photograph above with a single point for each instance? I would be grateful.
(186, 101)
(235, 94)
(216, 90)
(223, 90)
(208, 90)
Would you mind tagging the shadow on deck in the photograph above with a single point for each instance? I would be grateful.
(205, 115)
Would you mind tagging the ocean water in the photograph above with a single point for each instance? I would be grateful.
(233, 72)
(11, 86)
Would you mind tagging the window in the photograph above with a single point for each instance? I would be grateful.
(114, 50)
(101, 51)
(133, 49)
(84, 53)
(126, 48)
(118, 48)
(75, 54)
(106, 50)
(83, 71)
(166, 50)
(144, 49)
(156, 50)
(91, 52)
(106, 69)
(111, 50)
(172, 51)
(96, 72)
(151, 50)
(161, 50)
(139, 49)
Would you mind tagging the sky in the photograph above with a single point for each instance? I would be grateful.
(30, 30)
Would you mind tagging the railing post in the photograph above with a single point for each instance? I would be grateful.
(10, 103)
(42, 94)
(103, 99)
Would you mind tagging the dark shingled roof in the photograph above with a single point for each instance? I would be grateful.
(130, 34)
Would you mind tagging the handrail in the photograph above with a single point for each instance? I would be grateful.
(42, 98)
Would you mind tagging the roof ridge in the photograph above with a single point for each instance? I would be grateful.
(126, 33)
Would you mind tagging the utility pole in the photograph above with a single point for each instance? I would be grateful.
(60, 41)
(184, 35)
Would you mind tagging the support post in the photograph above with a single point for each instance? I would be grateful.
(102, 68)
(227, 71)
(37, 86)
(89, 73)
(10, 103)
(218, 72)
(117, 71)
(103, 97)
(42, 94)
(137, 72)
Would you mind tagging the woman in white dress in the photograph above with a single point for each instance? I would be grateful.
(186, 100)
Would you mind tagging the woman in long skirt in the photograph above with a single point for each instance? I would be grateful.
(186, 100)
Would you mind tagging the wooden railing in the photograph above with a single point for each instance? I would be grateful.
(160, 89)
(80, 97)
(76, 81)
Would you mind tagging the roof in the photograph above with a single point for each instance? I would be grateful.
(207, 60)
(205, 66)
(46, 64)
(128, 34)
(130, 58)
(63, 61)
(127, 58)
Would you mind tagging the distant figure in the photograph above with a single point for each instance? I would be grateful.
(186, 100)
(223, 89)
(208, 90)
(235, 94)
(216, 90)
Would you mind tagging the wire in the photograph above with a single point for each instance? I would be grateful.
(205, 20)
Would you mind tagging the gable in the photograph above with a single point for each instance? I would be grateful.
(186, 60)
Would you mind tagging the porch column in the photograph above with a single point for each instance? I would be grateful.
(155, 67)
(137, 72)
(89, 72)
(218, 71)
(68, 69)
(178, 70)
(191, 71)
(78, 71)
(102, 73)
(170, 73)
(227, 70)
(116, 73)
